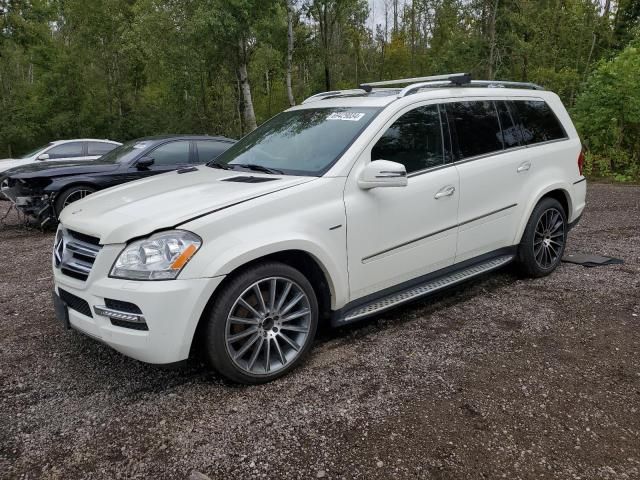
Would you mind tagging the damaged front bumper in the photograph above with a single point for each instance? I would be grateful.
(37, 206)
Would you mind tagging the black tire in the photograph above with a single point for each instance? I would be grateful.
(544, 240)
(227, 317)
(71, 195)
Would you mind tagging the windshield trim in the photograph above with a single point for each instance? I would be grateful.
(305, 173)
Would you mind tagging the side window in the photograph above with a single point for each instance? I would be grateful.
(100, 148)
(209, 149)
(511, 134)
(173, 153)
(66, 150)
(414, 139)
(537, 121)
(476, 126)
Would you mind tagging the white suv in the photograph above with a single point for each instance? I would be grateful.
(337, 209)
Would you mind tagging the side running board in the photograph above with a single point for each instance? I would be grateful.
(430, 286)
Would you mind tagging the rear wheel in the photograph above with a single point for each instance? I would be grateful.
(544, 239)
(262, 324)
(71, 195)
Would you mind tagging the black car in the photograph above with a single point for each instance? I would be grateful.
(42, 190)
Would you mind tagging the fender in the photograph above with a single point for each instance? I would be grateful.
(236, 254)
(59, 184)
(564, 187)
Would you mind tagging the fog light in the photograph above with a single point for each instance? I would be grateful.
(118, 315)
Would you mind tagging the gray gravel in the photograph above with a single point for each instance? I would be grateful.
(501, 377)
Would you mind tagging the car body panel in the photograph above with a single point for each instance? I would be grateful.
(138, 208)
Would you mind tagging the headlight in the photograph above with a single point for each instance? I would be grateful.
(159, 257)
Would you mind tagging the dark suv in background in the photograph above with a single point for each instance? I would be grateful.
(42, 190)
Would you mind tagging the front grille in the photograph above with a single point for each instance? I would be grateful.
(75, 303)
(75, 253)
(122, 306)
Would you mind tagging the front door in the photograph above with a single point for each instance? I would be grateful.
(167, 157)
(398, 234)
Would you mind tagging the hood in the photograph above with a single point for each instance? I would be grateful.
(139, 208)
(61, 169)
(8, 163)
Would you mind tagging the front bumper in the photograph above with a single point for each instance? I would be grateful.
(171, 310)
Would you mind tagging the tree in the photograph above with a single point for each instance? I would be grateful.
(607, 114)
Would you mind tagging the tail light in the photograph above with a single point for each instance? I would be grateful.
(581, 161)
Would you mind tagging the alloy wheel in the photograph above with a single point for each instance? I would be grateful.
(268, 326)
(75, 196)
(549, 238)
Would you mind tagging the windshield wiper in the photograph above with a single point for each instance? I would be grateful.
(221, 166)
(257, 168)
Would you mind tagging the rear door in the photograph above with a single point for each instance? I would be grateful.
(493, 168)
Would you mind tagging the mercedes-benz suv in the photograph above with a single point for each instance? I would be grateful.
(349, 204)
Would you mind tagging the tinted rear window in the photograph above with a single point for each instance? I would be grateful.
(511, 133)
(476, 126)
(100, 148)
(537, 121)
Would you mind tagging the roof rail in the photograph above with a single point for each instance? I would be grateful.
(334, 93)
(472, 83)
(417, 83)
(455, 78)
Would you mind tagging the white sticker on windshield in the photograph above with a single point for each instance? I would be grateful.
(140, 145)
(347, 116)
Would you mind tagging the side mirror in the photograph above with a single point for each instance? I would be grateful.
(144, 163)
(43, 156)
(383, 173)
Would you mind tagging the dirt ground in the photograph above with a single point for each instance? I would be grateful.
(499, 378)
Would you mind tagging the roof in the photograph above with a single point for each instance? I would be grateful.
(104, 140)
(454, 85)
(379, 99)
(155, 138)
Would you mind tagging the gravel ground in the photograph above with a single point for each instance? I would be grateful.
(501, 377)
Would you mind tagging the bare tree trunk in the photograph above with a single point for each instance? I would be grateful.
(492, 40)
(292, 100)
(247, 100)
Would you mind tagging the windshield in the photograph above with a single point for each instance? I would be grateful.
(125, 152)
(299, 142)
(33, 152)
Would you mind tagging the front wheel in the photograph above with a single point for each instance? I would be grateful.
(71, 195)
(262, 324)
(544, 239)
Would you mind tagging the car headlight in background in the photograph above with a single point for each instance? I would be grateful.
(159, 257)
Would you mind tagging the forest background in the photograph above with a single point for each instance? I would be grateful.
(122, 69)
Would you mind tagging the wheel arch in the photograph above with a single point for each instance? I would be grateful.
(302, 260)
(560, 192)
(67, 186)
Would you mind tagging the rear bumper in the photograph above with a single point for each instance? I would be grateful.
(171, 310)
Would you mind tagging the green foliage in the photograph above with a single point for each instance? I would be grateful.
(607, 114)
(122, 69)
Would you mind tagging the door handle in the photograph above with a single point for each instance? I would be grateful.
(445, 192)
(524, 167)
